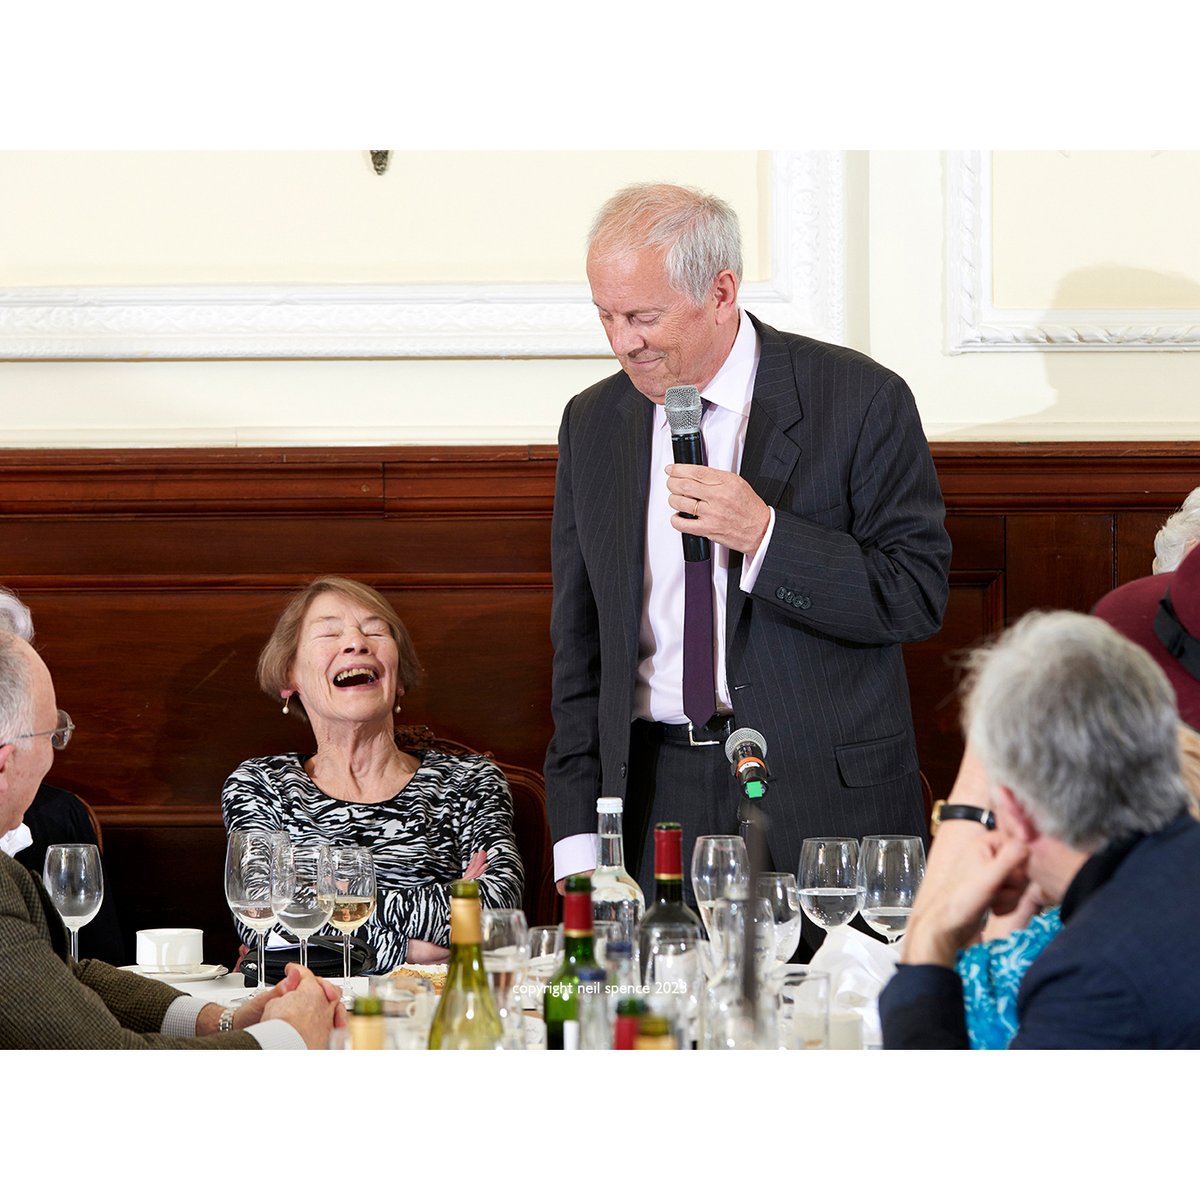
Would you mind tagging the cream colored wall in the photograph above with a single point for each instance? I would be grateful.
(896, 304)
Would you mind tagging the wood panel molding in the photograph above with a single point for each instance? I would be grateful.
(155, 577)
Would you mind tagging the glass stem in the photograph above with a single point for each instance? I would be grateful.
(74, 945)
(262, 961)
(304, 952)
(346, 956)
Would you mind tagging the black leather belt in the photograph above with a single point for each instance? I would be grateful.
(715, 733)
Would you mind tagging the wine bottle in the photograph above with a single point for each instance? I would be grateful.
(615, 893)
(561, 1004)
(466, 1016)
(668, 909)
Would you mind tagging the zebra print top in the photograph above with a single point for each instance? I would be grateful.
(421, 839)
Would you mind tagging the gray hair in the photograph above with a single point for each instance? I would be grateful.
(16, 690)
(699, 230)
(15, 617)
(1180, 532)
(1080, 724)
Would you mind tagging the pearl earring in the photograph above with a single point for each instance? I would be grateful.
(286, 701)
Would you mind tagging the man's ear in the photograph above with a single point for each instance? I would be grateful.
(1015, 815)
(5, 753)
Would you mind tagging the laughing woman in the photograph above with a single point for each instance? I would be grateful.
(340, 658)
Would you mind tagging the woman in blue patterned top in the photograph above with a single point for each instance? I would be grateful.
(340, 658)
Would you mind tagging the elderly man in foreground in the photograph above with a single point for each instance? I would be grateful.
(1076, 730)
(48, 1002)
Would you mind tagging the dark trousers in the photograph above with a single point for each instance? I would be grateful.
(693, 785)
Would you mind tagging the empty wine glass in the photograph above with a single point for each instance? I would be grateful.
(505, 934)
(75, 880)
(302, 891)
(779, 889)
(890, 870)
(248, 859)
(830, 893)
(720, 871)
(353, 900)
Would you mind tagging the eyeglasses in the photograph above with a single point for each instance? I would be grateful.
(59, 736)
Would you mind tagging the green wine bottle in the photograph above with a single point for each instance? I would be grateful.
(561, 1006)
(466, 1016)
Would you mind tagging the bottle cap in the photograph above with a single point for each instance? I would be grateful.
(368, 1006)
(592, 975)
(668, 851)
(618, 950)
(610, 804)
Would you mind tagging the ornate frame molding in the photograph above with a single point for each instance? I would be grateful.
(974, 324)
(805, 293)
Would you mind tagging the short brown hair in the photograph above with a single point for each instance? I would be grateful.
(278, 655)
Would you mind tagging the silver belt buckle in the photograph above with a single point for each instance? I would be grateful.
(692, 741)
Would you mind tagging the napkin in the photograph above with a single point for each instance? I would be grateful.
(858, 968)
(15, 840)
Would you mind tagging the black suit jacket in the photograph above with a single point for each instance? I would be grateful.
(857, 565)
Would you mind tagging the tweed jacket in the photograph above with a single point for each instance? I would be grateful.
(857, 565)
(48, 1004)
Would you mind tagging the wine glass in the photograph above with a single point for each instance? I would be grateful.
(353, 901)
(830, 892)
(75, 880)
(720, 871)
(505, 934)
(779, 889)
(302, 892)
(248, 859)
(672, 966)
(890, 870)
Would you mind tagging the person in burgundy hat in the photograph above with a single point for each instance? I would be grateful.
(1161, 613)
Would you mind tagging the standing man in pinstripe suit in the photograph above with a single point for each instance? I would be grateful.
(829, 552)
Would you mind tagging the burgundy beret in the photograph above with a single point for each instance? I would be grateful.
(1132, 608)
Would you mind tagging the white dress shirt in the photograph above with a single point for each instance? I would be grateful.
(658, 691)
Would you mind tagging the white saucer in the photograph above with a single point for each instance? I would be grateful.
(169, 976)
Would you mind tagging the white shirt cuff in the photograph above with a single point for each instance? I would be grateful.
(180, 1018)
(750, 569)
(276, 1035)
(579, 852)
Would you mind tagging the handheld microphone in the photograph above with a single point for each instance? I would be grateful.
(746, 749)
(683, 415)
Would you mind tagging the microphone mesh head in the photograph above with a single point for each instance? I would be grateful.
(683, 410)
(742, 737)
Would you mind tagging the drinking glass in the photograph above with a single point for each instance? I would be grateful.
(890, 870)
(75, 880)
(673, 972)
(505, 934)
(545, 951)
(729, 923)
(353, 901)
(248, 859)
(779, 889)
(803, 1013)
(720, 871)
(302, 891)
(830, 892)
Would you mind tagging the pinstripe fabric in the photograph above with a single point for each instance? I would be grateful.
(45, 1004)
(857, 565)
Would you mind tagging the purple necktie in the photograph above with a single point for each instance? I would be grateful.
(699, 683)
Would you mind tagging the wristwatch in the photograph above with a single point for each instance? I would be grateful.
(959, 812)
(225, 1023)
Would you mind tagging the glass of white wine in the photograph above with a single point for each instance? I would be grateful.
(505, 945)
(890, 870)
(828, 880)
(248, 859)
(75, 880)
(353, 901)
(302, 892)
(720, 871)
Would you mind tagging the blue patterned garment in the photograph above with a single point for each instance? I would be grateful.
(991, 975)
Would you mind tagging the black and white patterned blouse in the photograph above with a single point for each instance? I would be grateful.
(421, 839)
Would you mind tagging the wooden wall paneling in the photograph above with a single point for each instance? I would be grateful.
(1057, 560)
(155, 576)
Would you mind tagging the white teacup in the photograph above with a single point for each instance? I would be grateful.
(170, 950)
